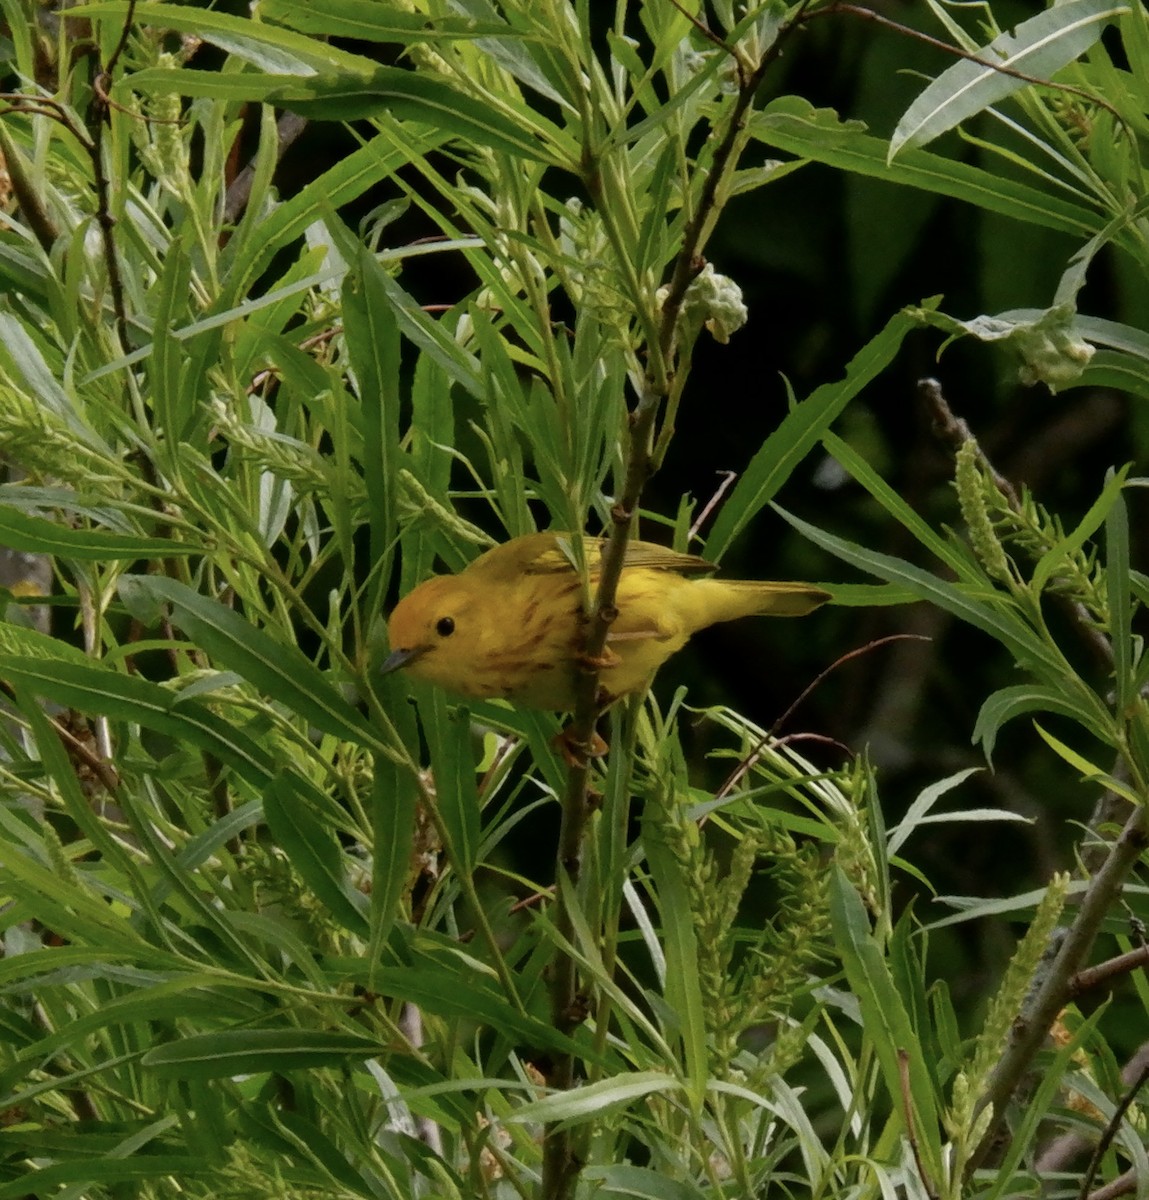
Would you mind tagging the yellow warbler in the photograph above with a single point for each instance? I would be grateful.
(511, 624)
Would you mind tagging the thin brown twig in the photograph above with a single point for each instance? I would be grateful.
(101, 768)
(1110, 1131)
(908, 1117)
(121, 45)
(1106, 972)
(560, 1163)
(1048, 998)
(1121, 1186)
(705, 30)
(748, 761)
(728, 477)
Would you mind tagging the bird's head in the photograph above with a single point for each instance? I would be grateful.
(432, 631)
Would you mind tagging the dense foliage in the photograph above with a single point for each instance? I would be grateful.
(302, 304)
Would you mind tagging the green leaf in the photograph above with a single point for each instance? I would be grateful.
(95, 689)
(172, 385)
(885, 1020)
(352, 95)
(984, 608)
(1039, 47)
(1116, 369)
(279, 670)
(103, 1169)
(1120, 602)
(277, 51)
(594, 1099)
(1052, 559)
(621, 1179)
(448, 732)
(793, 124)
(460, 993)
(315, 853)
(1088, 771)
(924, 801)
(372, 334)
(942, 549)
(683, 987)
(37, 535)
(232, 1052)
(798, 433)
(1022, 698)
(370, 21)
(393, 800)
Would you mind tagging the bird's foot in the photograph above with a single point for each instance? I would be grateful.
(577, 753)
(599, 662)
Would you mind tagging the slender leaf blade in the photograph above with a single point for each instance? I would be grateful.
(276, 668)
(1039, 47)
(799, 431)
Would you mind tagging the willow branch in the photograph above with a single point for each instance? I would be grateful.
(1055, 990)
(560, 1163)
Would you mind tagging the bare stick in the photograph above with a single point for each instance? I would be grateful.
(1050, 996)
(1110, 1132)
(560, 1163)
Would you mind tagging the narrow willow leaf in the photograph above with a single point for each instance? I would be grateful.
(37, 535)
(1039, 47)
(345, 182)
(315, 853)
(1100, 332)
(281, 671)
(459, 993)
(372, 334)
(167, 370)
(412, 96)
(1022, 698)
(988, 611)
(249, 1051)
(97, 1168)
(265, 46)
(393, 800)
(975, 908)
(794, 125)
(370, 21)
(430, 336)
(352, 94)
(885, 1019)
(621, 1179)
(448, 732)
(96, 689)
(1120, 601)
(944, 550)
(924, 801)
(799, 432)
(1088, 771)
(594, 1099)
(1115, 369)
(1098, 512)
(683, 987)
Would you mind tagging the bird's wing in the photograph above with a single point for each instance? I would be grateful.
(551, 553)
(662, 558)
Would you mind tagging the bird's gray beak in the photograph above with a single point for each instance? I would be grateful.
(398, 659)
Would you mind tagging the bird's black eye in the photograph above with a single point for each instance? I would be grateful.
(445, 626)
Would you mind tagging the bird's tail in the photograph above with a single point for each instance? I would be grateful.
(728, 599)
